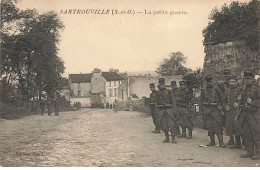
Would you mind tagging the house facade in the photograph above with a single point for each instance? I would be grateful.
(95, 87)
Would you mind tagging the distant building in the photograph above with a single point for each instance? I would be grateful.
(94, 87)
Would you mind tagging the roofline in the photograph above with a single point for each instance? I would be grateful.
(219, 42)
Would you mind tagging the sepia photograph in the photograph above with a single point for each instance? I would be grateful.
(130, 83)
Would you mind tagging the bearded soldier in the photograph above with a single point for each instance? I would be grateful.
(250, 116)
(183, 99)
(233, 127)
(155, 117)
(166, 105)
(211, 101)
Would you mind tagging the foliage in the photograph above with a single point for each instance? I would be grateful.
(29, 61)
(195, 79)
(172, 66)
(238, 21)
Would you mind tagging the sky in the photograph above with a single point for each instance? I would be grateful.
(129, 43)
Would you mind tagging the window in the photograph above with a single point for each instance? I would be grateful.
(110, 92)
(78, 85)
(115, 92)
(115, 83)
(79, 92)
(110, 83)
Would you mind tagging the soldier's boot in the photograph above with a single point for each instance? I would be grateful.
(231, 140)
(49, 112)
(156, 130)
(173, 138)
(212, 141)
(190, 134)
(183, 135)
(257, 152)
(220, 139)
(237, 144)
(166, 137)
(249, 153)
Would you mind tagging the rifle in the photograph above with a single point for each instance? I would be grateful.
(238, 114)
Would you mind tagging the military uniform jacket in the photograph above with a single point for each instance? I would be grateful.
(183, 100)
(152, 100)
(211, 98)
(165, 98)
(233, 127)
(165, 102)
(230, 97)
(251, 112)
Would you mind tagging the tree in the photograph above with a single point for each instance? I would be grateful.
(195, 79)
(29, 56)
(172, 66)
(235, 22)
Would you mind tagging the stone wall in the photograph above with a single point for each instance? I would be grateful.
(235, 56)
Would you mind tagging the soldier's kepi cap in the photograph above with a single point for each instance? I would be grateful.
(151, 85)
(173, 83)
(227, 73)
(249, 74)
(161, 81)
(208, 78)
(233, 78)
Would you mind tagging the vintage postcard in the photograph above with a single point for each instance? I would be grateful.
(130, 83)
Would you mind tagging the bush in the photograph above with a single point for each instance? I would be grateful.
(8, 111)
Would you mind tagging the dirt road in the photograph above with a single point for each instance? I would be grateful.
(104, 138)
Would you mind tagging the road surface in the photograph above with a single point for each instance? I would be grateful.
(104, 138)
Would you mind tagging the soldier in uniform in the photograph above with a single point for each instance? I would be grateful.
(224, 86)
(250, 116)
(211, 102)
(42, 107)
(166, 105)
(49, 103)
(227, 75)
(175, 91)
(183, 100)
(233, 127)
(156, 119)
(57, 104)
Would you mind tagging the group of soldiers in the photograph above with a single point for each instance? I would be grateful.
(55, 102)
(238, 104)
(171, 109)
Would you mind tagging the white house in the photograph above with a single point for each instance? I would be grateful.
(95, 87)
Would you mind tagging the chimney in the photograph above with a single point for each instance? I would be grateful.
(117, 71)
(111, 70)
(96, 70)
